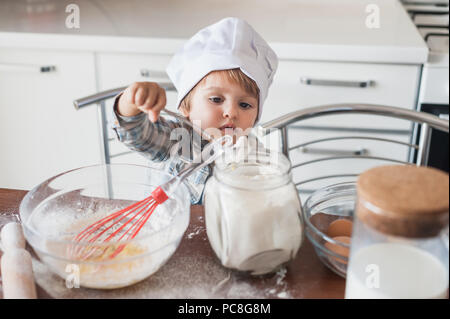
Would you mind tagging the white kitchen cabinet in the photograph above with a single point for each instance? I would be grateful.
(41, 133)
(333, 83)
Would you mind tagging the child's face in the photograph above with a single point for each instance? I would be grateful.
(220, 104)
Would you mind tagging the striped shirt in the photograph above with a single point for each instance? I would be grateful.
(160, 143)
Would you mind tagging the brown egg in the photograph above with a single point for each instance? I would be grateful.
(340, 250)
(321, 221)
(340, 227)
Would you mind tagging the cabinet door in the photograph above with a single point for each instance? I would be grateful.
(41, 133)
(116, 70)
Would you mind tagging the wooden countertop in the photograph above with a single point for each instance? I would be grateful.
(195, 272)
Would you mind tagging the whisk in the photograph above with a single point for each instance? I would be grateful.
(125, 224)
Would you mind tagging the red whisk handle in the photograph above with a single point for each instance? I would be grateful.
(159, 195)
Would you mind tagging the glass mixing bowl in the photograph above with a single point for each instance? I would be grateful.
(54, 212)
(323, 207)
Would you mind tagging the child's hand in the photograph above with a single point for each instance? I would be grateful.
(147, 97)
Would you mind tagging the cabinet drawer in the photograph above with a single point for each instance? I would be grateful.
(301, 84)
(342, 150)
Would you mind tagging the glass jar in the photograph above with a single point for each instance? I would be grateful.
(253, 212)
(399, 246)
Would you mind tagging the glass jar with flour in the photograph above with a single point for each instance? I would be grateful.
(253, 212)
(399, 244)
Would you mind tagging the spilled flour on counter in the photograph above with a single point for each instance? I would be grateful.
(185, 277)
(276, 287)
(197, 231)
(281, 286)
(281, 275)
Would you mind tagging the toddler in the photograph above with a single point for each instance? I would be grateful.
(222, 76)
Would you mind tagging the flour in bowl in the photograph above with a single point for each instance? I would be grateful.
(57, 225)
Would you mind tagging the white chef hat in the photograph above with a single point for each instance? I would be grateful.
(228, 44)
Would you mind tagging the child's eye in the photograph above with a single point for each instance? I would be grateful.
(215, 99)
(245, 105)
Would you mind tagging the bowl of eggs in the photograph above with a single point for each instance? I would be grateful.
(328, 216)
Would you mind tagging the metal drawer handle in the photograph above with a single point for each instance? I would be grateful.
(48, 69)
(324, 151)
(104, 95)
(28, 67)
(435, 34)
(322, 82)
(146, 73)
(413, 13)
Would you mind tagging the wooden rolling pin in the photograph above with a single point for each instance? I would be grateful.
(16, 266)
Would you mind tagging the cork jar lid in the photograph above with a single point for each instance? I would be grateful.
(404, 200)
